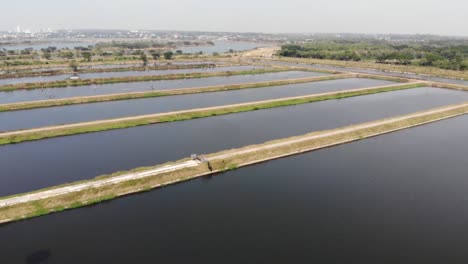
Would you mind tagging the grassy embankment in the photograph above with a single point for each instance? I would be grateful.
(386, 67)
(102, 70)
(42, 64)
(449, 86)
(66, 63)
(184, 91)
(69, 83)
(226, 160)
(66, 130)
(160, 93)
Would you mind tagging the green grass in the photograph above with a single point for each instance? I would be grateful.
(232, 167)
(41, 210)
(193, 114)
(59, 208)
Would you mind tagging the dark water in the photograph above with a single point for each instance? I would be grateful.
(32, 165)
(396, 198)
(370, 71)
(44, 94)
(88, 112)
(122, 74)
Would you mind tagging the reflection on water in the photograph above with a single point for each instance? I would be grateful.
(396, 198)
(67, 159)
(85, 90)
(99, 111)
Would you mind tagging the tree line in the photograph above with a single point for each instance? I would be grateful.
(440, 55)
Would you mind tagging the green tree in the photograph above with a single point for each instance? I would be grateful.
(144, 59)
(381, 58)
(74, 66)
(47, 56)
(168, 55)
(87, 55)
(67, 55)
(26, 52)
(155, 55)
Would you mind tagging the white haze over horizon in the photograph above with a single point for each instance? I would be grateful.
(449, 17)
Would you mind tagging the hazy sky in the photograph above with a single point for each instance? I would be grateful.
(447, 17)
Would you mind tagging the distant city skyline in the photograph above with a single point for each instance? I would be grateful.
(273, 16)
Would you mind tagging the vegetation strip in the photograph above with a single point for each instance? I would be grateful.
(429, 71)
(102, 70)
(103, 188)
(160, 93)
(385, 78)
(110, 124)
(449, 86)
(66, 63)
(299, 68)
(69, 83)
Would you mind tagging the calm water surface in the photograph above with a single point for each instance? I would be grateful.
(87, 112)
(122, 74)
(396, 198)
(65, 92)
(32, 165)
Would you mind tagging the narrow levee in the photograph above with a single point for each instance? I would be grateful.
(123, 74)
(61, 160)
(106, 65)
(37, 72)
(373, 71)
(86, 90)
(355, 197)
(80, 113)
(18, 136)
(182, 91)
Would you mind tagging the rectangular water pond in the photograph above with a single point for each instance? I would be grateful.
(396, 198)
(124, 65)
(33, 165)
(378, 72)
(123, 74)
(97, 111)
(86, 90)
